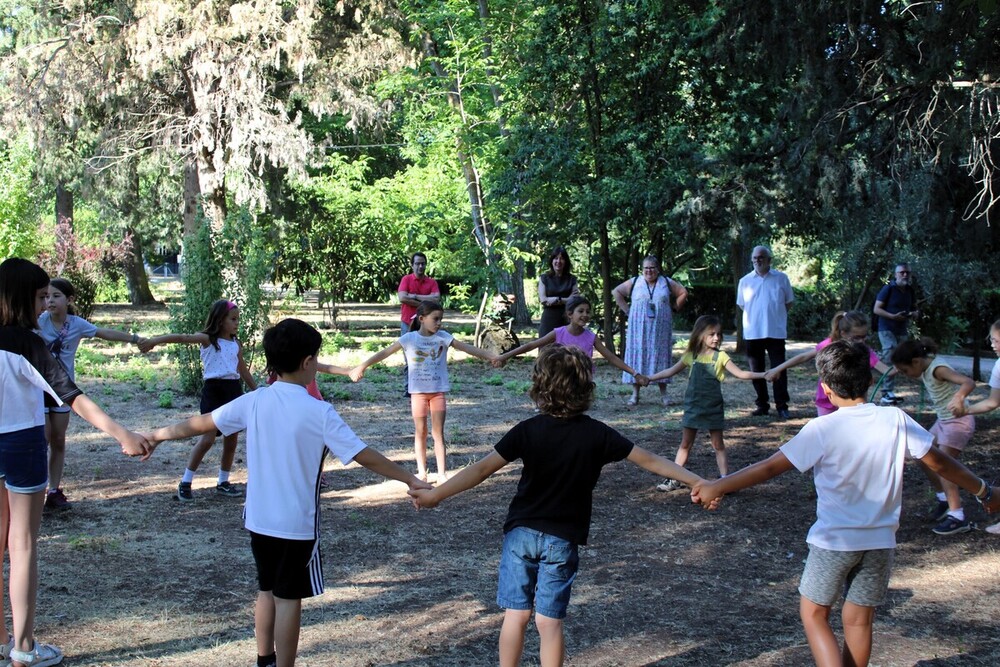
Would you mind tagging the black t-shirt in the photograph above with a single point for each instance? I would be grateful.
(23, 342)
(562, 463)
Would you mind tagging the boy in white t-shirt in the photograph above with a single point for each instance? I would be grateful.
(288, 435)
(857, 456)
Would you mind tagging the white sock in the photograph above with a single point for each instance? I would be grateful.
(188, 476)
(958, 515)
(223, 476)
(941, 497)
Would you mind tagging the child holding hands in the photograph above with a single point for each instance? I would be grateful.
(703, 406)
(857, 455)
(288, 435)
(563, 451)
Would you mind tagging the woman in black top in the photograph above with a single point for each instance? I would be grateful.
(555, 287)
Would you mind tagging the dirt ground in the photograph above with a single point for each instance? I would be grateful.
(131, 577)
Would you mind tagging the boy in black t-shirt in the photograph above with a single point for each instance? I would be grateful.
(563, 451)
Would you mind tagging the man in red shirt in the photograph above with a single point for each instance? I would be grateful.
(414, 288)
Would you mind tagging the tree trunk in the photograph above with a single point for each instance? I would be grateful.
(189, 215)
(64, 204)
(135, 273)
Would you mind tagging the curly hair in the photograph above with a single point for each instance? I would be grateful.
(562, 383)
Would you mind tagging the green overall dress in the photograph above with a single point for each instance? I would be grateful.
(703, 408)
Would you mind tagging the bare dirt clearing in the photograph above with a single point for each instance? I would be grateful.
(129, 576)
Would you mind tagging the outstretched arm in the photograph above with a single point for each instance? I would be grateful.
(133, 444)
(378, 463)
(658, 465)
(707, 493)
(983, 406)
(472, 350)
(466, 479)
(187, 339)
(738, 372)
(188, 428)
(359, 371)
(117, 335)
(670, 372)
(548, 338)
(613, 358)
(330, 369)
(955, 472)
(797, 360)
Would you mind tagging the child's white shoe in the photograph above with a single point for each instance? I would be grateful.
(994, 529)
(42, 655)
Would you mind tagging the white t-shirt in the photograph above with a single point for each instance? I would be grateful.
(288, 435)
(68, 335)
(427, 361)
(221, 364)
(764, 302)
(995, 375)
(857, 456)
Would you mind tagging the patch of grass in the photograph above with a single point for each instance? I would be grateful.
(338, 393)
(494, 380)
(373, 345)
(165, 399)
(517, 386)
(100, 544)
(369, 395)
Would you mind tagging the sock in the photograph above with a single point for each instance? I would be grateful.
(941, 497)
(267, 660)
(223, 476)
(958, 515)
(188, 476)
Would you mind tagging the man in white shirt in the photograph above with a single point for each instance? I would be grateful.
(764, 295)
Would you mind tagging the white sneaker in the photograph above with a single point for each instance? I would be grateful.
(43, 655)
(669, 485)
(994, 529)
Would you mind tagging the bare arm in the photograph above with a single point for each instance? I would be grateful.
(472, 350)
(983, 406)
(244, 370)
(133, 444)
(708, 492)
(955, 472)
(186, 339)
(358, 371)
(330, 369)
(548, 338)
(680, 293)
(197, 425)
(880, 310)
(543, 296)
(621, 294)
(663, 467)
(738, 372)
(613, 358)
(378, 463)
(670, 372)
(794, 361)
(117, 335)
(466, 479)
(965, 385)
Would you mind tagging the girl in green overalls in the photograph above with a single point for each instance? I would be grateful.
(703, 407)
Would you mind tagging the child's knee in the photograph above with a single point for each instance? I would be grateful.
(547, 625)
(857, 616)
(517, 618)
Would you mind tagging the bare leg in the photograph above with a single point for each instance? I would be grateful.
(201, 448)
(950, 488)
(719, 445)
(263, 623)
(287, 620)
(420, 445)
(822, 641)
(228, 452)
(687, 441)
(56, 425)
(552, 645)
(437, 432)
(4, 525)
(635, 395)
(857, 634)
(22, 545)
(931, 477)
(515, 624)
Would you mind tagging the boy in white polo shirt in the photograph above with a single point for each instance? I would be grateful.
(288, 435)
(857, 456)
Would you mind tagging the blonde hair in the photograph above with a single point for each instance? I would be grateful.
(844, 321)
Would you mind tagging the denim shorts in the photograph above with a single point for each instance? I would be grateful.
(536, 570)
(24, 460)
(861, 576)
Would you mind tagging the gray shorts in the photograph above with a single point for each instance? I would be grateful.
(862, 576)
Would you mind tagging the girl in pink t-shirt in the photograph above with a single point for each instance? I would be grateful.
(575, 333)
(849, 325)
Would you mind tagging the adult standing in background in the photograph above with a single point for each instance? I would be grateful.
(649, 340)
(895, 306)
(764, 295)
(414, 288)
(555, 287)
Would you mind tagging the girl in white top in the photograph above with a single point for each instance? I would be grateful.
(948, 390)
(426, 350)
(222, 361)
(62, 332)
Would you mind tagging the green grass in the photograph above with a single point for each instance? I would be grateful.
(494, 380)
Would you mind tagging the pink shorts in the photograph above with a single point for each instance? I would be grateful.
(421, 404)
(954, 433)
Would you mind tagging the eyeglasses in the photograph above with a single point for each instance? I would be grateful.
(992, 340)
(763, 258)
(650, 268)
(903, 273)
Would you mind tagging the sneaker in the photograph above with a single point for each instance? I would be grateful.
(669, 485)
(886, 402)
(939, 511)
(994, 529)
(950, 526)
(184, 492)
(55, 499)
(42, 655)
(783, 413)
(227, 489)
(889, 398)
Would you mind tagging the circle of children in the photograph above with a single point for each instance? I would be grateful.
(855, 449)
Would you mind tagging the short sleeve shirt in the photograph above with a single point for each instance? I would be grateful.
(427, 361)
(764, 302)
(562, 458)
(28, 372)
(288, 435)
(718, 364)
(413, 285)
(65, 339)
(895, 299)
(995, 375)
(857, 455)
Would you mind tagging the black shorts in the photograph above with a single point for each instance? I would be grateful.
(216, 393)
(289, 569)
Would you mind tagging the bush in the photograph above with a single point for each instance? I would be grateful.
(202, 285)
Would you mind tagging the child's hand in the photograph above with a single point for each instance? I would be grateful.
(423, 497)
(994, 503)
(153, 444)
(356, 373)
(706, 494)
(771, 376)
(959, 410)
(135, 444)
(956, 405)
(145, 345)
(641, 380)
(499, 362)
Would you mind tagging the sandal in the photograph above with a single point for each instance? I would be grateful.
(42, 655)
